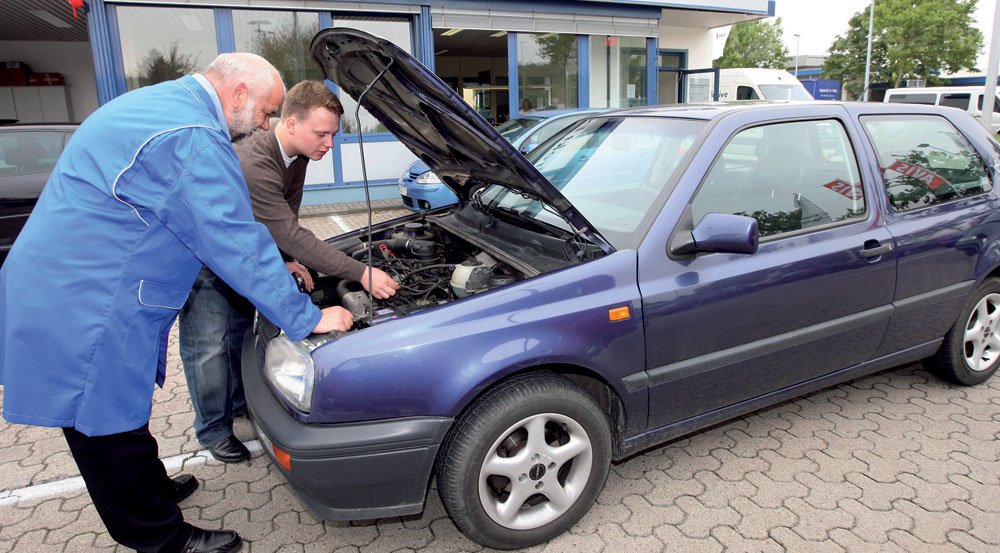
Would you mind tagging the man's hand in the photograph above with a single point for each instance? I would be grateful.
(334, 318)
(299, 270)
(382, 284)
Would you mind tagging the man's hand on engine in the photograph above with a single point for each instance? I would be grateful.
(383, 286)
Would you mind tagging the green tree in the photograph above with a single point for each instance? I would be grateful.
(911, 39)
(157, 67)
(754, 44)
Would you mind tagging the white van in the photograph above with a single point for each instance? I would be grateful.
(968, 98)
(760, 84)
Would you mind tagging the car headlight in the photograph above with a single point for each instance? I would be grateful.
(428, 177)
(289, 367)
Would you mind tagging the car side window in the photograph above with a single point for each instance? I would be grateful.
(925, 160)
(25, 152)
(960, 101)
(746, 93)
(929, 99)
(787, 176)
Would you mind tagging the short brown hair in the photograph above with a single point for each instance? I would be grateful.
(306, 96)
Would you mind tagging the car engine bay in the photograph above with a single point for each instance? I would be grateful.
(432, 265)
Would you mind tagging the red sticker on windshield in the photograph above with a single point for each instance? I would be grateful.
(926, 176)
(846, 189)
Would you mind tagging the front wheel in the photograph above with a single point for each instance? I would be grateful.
(525, 462)
(970, 353)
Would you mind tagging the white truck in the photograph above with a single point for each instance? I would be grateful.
(759, 84)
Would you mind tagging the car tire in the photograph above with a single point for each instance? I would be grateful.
(970, 353)
(492, 457)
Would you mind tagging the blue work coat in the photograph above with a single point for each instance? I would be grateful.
(148, 189)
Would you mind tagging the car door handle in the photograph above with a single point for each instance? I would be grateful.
(876, 251)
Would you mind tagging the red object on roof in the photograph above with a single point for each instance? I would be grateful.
(75, 4)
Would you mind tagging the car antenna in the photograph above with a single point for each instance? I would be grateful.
(364, 179)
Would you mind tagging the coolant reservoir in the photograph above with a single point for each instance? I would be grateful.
(469, 277)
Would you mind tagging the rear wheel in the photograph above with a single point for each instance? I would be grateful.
(525, 462)
(970, 353)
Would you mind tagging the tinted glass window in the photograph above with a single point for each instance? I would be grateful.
(746, 93)
(928, 99)
(551, 129)
(784, 92)
(789, 176)
(29, 151)
(612, 169)
(282, 38)
(160, 44)
(925, 160)
(547, 69)
(394, 29)
(996, 104)
(960, 101)
(513, 128)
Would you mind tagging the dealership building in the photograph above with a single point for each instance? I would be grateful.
(502, 57)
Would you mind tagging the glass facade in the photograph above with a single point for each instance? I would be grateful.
(617, 71)
(160, 44)
(547, 71)
(395, 30)
(282, 38)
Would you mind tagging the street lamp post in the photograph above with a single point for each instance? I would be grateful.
(868, 56)
(796, 35)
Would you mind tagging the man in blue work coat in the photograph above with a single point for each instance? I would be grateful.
(148, 189)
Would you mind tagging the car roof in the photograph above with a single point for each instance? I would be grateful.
(550, 113)
(718, 110)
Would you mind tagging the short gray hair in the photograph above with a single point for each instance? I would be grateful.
(236, 67)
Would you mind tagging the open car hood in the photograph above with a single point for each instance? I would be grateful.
(434, 122)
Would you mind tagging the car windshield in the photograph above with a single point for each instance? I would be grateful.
(784, 92)
(613, 170)
(514, 128)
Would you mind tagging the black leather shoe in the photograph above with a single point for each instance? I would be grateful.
(230, 450)
(184, 486)
(213, 541)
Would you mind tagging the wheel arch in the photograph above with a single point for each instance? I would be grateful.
(592, 383)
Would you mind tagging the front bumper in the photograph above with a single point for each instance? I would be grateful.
(355, 471)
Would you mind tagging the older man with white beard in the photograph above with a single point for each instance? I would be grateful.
(148, 190)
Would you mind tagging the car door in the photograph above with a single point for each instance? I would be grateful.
(941, 214)
(815, 298)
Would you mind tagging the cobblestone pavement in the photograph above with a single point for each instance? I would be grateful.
(895, 462)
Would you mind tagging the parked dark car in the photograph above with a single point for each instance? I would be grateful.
(28, 152)
(647, 274)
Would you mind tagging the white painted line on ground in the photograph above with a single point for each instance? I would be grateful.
(344, 227)
(59, 488)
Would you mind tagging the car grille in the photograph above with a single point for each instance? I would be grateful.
(407, 201)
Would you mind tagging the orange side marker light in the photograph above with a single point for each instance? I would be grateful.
(619, 313)
(284, 459)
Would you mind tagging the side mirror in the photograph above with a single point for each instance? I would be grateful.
(718, 232)
(528, 147)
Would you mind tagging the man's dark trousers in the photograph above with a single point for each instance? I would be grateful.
(130, 489)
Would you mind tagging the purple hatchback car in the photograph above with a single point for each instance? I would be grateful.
(647, 274)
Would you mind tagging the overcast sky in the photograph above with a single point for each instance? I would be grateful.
(819, 22)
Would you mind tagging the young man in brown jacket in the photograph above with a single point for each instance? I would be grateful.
(214, 319)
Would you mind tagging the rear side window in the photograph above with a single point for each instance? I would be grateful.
(996, 104)
(960, 101)
(27, 151)
(746, 93)
(787, 176)
(925, 160)
(929, 99)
